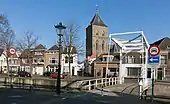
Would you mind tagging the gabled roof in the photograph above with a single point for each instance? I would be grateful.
(159, 41)
(54, 47)
(97, 21)
(72, 50)
(40, 46)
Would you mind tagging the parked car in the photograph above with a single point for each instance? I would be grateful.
(54, 75)
(47, 74)
(24, 74)
(12, 73)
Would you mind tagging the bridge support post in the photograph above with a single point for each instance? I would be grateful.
(89, 85)
(115, 80)
(102, 81)
(96, 83)
(105, 81)
(140, 89)
(112, 81)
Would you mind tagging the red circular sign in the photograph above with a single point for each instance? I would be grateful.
(154, 50)
(12, 51)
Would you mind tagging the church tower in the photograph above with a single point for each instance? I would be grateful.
(96, 36)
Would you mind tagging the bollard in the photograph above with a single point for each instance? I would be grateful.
(102, 91)
(140, 89)
(11, 86)
(30, 88)
(5, 81)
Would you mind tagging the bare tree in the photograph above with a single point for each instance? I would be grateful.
(27, 44)
(7, 36)
(71, 38)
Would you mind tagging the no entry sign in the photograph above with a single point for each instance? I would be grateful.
(12, 51)
(154, 50)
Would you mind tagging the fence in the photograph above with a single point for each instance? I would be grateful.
(88, 84)
(95, 83)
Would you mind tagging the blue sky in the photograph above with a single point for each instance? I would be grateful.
(39, 16)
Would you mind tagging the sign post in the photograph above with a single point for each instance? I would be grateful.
(153, 59)
(11, 51)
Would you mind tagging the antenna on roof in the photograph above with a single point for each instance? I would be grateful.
(97, 9)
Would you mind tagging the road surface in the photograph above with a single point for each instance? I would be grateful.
(16, 96)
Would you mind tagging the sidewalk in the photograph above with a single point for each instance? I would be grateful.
(115, 98)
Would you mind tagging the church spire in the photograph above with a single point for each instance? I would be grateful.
(96, 19)
(97, 9)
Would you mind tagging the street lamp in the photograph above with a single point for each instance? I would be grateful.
(60, 30)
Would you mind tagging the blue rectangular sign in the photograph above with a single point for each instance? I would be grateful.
(153, 59)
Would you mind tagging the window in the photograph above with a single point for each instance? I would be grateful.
(103, 33)
(66, 59)
(38, 53)
(97, 33)
(129, 59)
(53, 60)
(163, 59)
(112, 69)
(40, 60)
(126, 59)
(97, 43)
(133, 71)
(14, 61)
(71, 59)
(104, 58)
(103, 45)
(168, 55)
(149, 73)
(141, 59)
(133, 59)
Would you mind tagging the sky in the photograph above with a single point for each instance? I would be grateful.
(39, 16)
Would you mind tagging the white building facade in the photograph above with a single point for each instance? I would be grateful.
(74, 67)
(13, 60)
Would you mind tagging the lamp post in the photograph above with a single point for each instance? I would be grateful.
(60, 29)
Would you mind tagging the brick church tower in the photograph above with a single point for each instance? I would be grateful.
(96, 37)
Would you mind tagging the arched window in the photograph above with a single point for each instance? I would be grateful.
(97, 44)
(103, 33)
(103, 45)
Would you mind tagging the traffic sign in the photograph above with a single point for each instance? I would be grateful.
(154, 50)
(153, 59)
(12, 51)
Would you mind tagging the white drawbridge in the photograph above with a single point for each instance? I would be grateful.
(128, 42)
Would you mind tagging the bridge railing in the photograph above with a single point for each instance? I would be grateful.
(95, 83)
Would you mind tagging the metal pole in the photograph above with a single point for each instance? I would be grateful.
(59, 67)
(152, 84)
